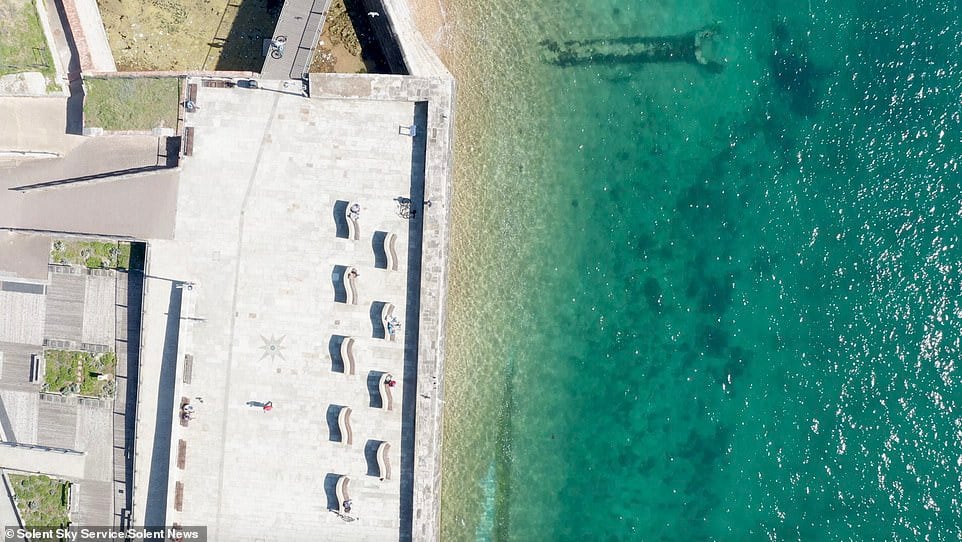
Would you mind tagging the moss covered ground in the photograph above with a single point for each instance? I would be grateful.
(93, 254)
(127, 103)
(43, 501)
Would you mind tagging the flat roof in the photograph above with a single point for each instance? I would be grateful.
(24, 256)
(81, 191)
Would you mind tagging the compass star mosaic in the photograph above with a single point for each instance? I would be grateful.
(272, 347)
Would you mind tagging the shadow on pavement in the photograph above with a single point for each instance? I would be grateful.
(412, 320)
(156, 513)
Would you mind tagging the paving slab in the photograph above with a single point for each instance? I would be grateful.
(23, 317)
(22, 408)
(99, 316)
(57, 424)
(65, 307)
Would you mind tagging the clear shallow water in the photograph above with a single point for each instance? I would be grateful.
(696, 306)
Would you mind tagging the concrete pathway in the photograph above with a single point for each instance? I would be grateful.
(300, 23)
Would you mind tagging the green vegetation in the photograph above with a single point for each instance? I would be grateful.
(93, 254)
(61, 373)
(127, 103)
(23, 47)
(106, 364)
(42, 501)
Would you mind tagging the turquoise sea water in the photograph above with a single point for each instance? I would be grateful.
(708, 306)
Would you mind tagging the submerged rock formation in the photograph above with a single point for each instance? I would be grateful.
(695, 47)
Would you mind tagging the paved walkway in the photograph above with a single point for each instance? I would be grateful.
(300, 24)
(69, 62)
(60, 67)
(24, 256)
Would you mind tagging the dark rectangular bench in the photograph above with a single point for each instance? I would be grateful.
(188, 367)
(181, 454)
(179, 496)
(189, 141)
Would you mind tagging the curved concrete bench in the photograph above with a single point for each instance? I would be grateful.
(350, 285)
(387, 312)
(344, 425)
(342, 495)
(390, 251)
(347, 355)
(353, 231)
(383, 461)
(387, 400)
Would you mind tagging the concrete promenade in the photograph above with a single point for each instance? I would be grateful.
(438, 94)
(261, 319)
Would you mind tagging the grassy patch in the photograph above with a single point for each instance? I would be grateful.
(23, 47)
(105, 364)
(42, 501)
(61, 372)
(93, 254)
(143, 103)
